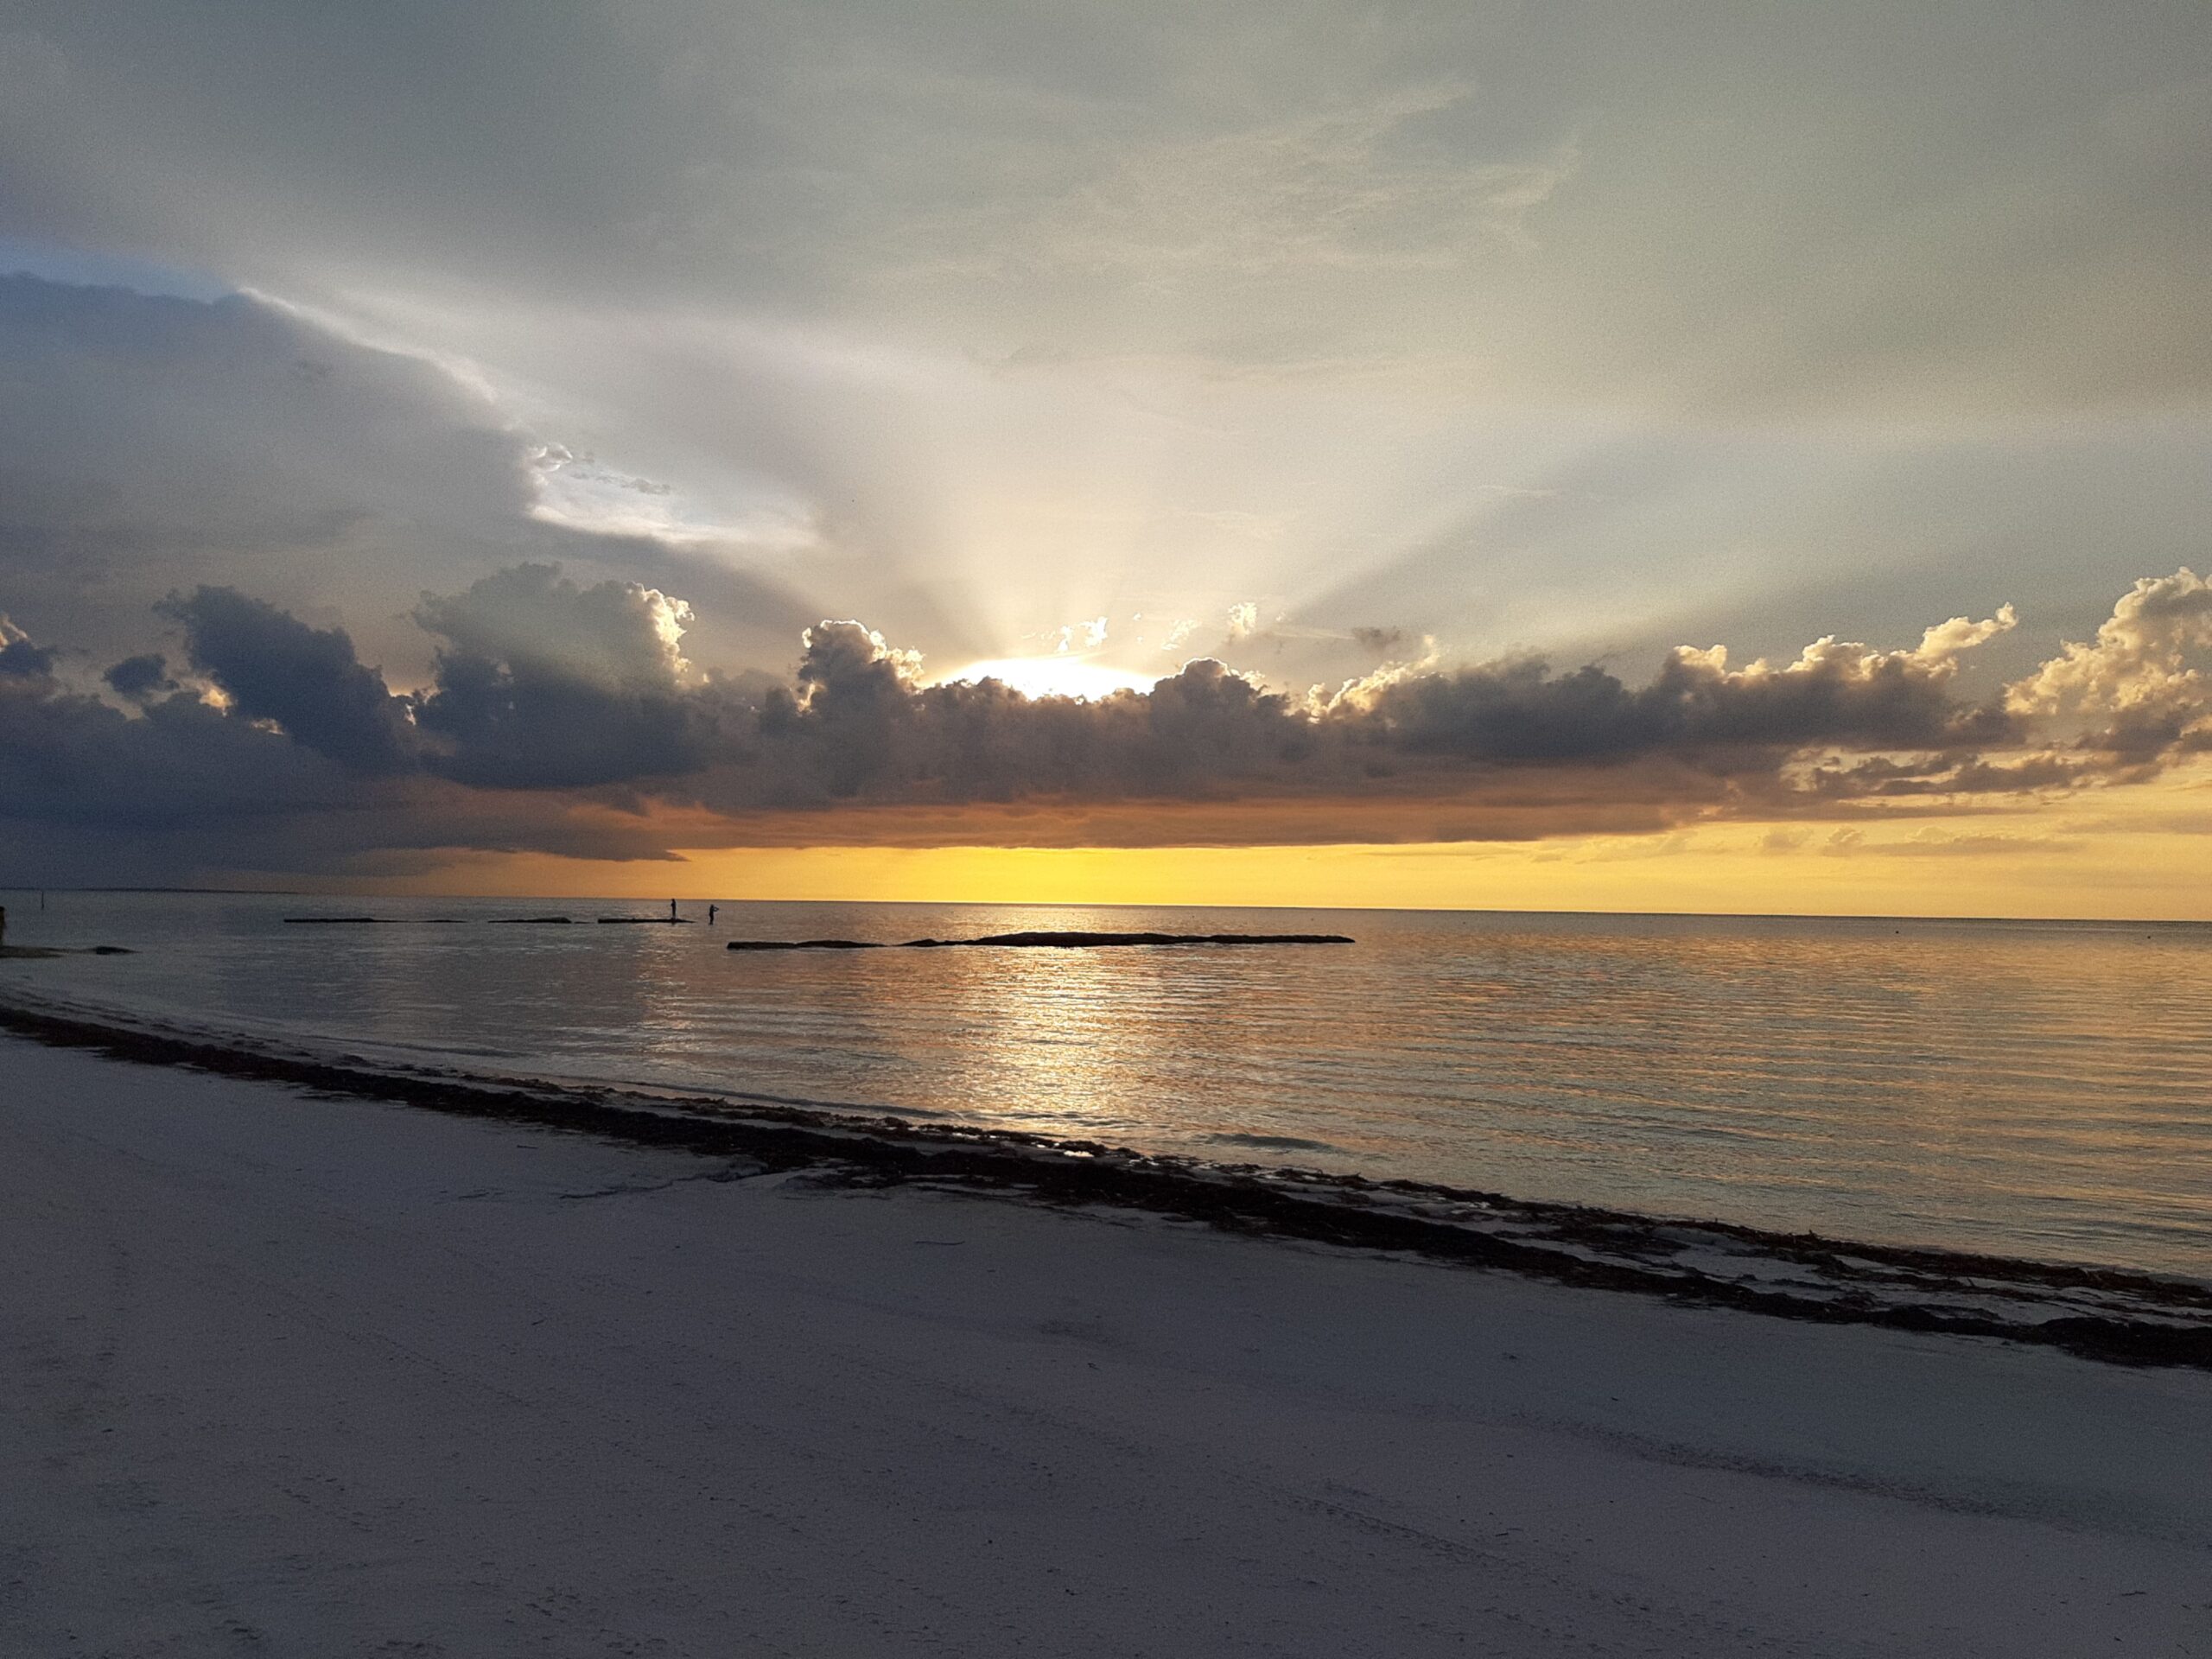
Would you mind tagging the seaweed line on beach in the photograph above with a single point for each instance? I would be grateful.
(2109, 1314)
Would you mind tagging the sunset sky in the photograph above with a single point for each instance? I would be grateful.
(1645, 456)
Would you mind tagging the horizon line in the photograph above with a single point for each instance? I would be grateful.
(1080, 903)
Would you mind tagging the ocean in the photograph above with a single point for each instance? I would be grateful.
(2039, 1090)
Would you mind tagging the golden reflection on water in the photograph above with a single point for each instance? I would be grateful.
(2035, 1089)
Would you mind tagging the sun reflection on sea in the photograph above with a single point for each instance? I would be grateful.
(2031, 1089)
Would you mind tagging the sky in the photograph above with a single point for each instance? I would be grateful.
(1637, 456)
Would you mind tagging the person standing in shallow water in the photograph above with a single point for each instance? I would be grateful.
(672, 910)
(711, 909)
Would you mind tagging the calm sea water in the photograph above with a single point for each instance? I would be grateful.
(2033, 1089)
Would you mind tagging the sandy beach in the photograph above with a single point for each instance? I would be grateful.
(299, 1374)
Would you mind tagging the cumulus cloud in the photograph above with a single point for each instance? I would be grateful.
(273, 667)
(542, 682)
(1945, 641)
(2140, 685)
(577, 701)
(849, 665)
(186, 789)
(533, 619)
(1840, 722)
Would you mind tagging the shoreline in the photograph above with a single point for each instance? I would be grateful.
(317, 1372)
(2110, 1314)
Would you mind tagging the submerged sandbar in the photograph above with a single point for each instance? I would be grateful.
(1046, 940)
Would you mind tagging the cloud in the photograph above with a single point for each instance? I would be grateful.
(182, 789)
(1945, 641)
(273, 667)
(544, 683)
(534, 620)
(1835, 694)
(155, 443)
(1334, 189)
(1472, 184)
(151, 444)
(697, 298)
(2140, 685)
(1842, 723)
(1937, 844)
(20, 658)
(1080, 636)
(846, 666)
(141, 679)
(567, 713)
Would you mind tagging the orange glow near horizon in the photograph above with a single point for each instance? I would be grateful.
(2135, 854)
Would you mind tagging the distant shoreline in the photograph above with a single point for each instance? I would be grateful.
(2110, 1314)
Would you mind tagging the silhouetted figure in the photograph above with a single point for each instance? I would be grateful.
(711, 914)
(672, 910)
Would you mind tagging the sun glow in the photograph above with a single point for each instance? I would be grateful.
(1061, 675)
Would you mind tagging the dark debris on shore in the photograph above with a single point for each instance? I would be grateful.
(2153, 1321)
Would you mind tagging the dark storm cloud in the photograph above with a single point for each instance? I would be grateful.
(90, 794)
(70, 758)
(274, 667)
(183, 789)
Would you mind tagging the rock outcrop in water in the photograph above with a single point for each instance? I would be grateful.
(1045, 940)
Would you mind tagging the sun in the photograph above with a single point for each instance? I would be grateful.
(1061, 675)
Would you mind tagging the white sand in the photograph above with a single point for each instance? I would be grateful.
(325, 1376)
